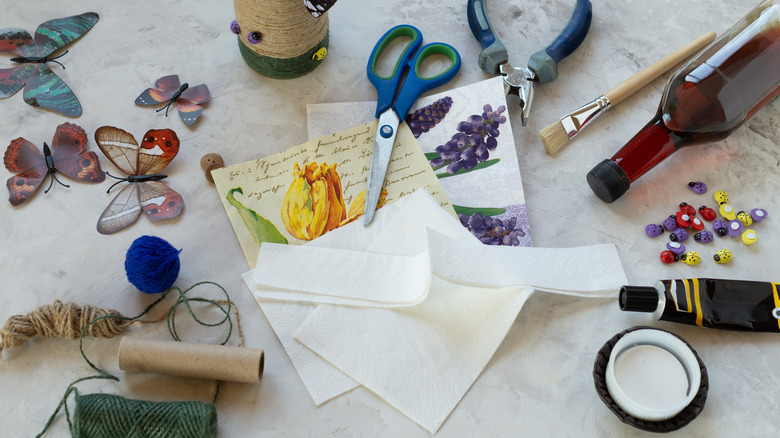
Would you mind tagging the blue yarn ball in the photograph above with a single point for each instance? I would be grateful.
(152, 264)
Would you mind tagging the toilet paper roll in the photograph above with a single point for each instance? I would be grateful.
(204, 361)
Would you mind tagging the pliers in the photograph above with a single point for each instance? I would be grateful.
(542, 66)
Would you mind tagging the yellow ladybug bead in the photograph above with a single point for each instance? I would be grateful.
(745, 218)
(723, 256)
(691, 258)
(728, 212)
(749, 237)
(320, 54)
(721, 197)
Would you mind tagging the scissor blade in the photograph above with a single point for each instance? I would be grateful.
(380, 159)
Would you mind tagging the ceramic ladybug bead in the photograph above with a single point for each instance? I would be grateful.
(669, 257)
(758, 214)
(679, 235)
(728, 212)
(749, 237)
(675, 247)
(683, 219)
(654, 230)
(735, 227)
(723, 256)
(687, 209)
(721, 197)
(670, 223)
(707, 213)
(745, 218)
(697, 224)
(703, 236)
(698, 187)
(691, 258)
(721, 227)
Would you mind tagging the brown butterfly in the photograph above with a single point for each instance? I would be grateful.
(142, 166)
(68, 155)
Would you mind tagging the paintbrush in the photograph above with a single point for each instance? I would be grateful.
(557, 134)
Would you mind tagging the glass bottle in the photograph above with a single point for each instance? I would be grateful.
(704, 101)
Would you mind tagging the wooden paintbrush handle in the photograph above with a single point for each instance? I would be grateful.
(633, 84)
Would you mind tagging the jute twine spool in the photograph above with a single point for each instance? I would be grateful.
(289, 37)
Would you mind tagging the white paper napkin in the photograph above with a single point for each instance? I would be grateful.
(420, 358)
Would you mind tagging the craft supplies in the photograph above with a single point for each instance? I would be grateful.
(691, 258)
(651, 379)
(723, 256)
(142, 165)
(708, 302)
(202, 361)
(152, 264)
(209, 162)
(557, 134)
(698, 187)
(169, 90)
(280, 38)
(68, 155)
(41, 86)
(542, 65)
(706, 100)
(395, 96)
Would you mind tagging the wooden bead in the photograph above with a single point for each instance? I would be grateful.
(210, 162)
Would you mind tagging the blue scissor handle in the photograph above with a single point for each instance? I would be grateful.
(545, 62)
(414, 85)
(386, 87)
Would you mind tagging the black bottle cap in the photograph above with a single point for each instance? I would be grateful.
(638, 299)
(608, 181)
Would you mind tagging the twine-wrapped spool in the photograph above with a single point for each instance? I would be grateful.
(280, 38)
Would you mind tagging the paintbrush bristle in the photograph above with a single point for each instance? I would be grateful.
(554, 137)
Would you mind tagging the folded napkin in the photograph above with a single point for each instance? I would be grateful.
(417, 312)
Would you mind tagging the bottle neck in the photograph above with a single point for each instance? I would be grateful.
(647, 148)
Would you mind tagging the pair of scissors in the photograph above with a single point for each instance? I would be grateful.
(395, 96)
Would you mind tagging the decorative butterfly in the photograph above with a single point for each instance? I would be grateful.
(318, 7)
(67, 155)
(41, 86)
(168, 90)
(142, 166)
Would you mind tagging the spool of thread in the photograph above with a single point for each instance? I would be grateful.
(152, 264)
(280, 38)
(203, 361)
(111, 416)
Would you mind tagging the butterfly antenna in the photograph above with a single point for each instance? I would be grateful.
(53, 178)
(57, 57)
(112, 185)
(167, 105)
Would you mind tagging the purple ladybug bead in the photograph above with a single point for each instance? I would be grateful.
(735, 227)
(679, 235)
(698, 187)
(670, 223)
(234, 27)
(253, 37)
(758, 214)
(720, 226)
(654, 230)
(675, 247)
(703, 236)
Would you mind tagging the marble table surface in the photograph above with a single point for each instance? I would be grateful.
(539, 382)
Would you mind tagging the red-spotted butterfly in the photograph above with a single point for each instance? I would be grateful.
(41, 86)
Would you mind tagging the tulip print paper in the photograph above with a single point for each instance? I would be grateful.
(311, 189)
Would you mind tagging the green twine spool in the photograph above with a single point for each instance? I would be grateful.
(282, 68)
(112, 416)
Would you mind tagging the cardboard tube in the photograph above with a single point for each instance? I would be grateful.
(204, 361)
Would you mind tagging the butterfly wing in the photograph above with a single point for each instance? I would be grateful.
(22, 156)
(120, 148)
(60, 32)
(13, 79)
(47, 90)
(188, 111)
(165, 88)
(69, 151)
(17, 41)
(123, 210)
(197, 94)
(158, 148)
(160, 201)
(318, 7)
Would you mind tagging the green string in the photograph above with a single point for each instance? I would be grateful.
(282, 68)
(108, 416)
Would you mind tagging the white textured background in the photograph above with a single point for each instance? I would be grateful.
(539, 382)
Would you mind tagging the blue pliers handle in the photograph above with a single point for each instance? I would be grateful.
(543, 63)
